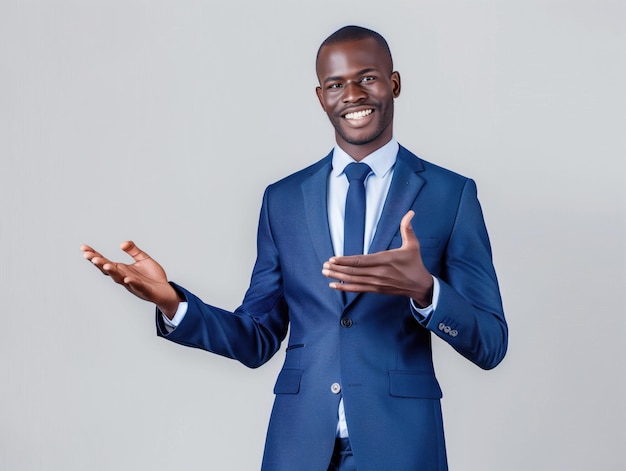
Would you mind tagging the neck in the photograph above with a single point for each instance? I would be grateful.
(359, 151)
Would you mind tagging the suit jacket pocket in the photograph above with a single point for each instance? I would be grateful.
(414, 384)
(288, 381)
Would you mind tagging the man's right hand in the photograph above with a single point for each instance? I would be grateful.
(144, 278)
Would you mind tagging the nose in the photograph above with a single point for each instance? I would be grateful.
(353, 92)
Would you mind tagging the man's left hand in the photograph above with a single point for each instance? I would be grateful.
(398, 271)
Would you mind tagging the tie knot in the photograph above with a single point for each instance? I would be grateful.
(357, 171)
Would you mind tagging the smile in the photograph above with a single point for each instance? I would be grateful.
(358, 114)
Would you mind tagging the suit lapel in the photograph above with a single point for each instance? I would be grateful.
(315, 192)
(405, 186)
(315, 196)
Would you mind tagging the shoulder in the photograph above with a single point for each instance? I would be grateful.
(428, 170)
(320, 168)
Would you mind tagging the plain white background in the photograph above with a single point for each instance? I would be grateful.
(134, 118)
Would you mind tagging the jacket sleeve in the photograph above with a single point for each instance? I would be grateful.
(253, 332)
(469, 314)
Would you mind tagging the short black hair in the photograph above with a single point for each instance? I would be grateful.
(354, 33)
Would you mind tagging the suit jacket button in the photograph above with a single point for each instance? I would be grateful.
(335, 388)
(441, 326)
(454, 333)
(346, 322)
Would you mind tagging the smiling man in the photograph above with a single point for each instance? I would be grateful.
(364, 255)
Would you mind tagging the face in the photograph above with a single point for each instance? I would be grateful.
(357, 89)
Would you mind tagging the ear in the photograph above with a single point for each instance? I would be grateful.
(395, 84)
(320, 97)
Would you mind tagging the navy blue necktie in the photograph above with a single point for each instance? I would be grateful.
(354, 220)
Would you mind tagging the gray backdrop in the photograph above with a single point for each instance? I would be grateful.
(134, 118)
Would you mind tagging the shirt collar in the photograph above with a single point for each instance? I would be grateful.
(381, 161)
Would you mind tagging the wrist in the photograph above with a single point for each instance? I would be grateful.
(169, 305)
(424, 298)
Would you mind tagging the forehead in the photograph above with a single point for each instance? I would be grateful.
(352, 56)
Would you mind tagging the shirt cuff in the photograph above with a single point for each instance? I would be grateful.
(423, 313)
(170, 325)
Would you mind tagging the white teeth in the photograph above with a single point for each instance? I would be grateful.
(358, 114)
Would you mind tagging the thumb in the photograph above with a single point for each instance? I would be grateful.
(406, 230)
(131, 249)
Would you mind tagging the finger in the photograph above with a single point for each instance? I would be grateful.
(131, 249)
(360, 261)
(89, 252)
(339, 286)
(98, 261)
(355, 275)
(355, 287)
(339, 271)
(90, 255)
(117, 271)
(406, 230)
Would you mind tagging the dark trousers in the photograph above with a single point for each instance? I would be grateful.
(342, 459)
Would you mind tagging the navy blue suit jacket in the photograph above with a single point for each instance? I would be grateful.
(379, 358)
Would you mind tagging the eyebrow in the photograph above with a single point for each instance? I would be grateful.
(360, 72)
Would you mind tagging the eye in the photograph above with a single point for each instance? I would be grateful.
(368, 78)
(335, 85)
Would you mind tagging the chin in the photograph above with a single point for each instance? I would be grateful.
(359, 139)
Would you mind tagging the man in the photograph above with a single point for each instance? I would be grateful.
(357, 389)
